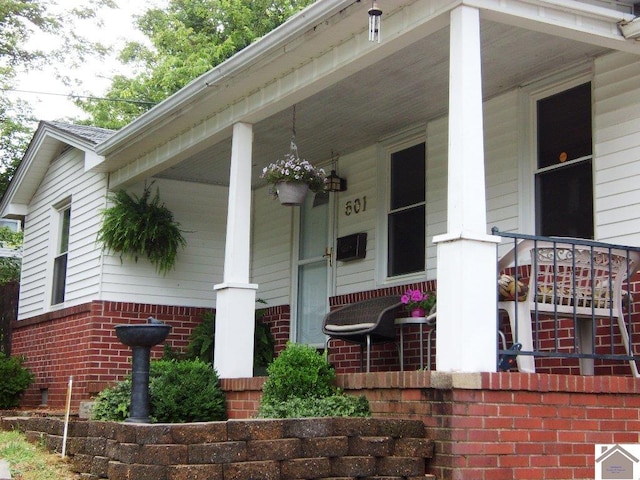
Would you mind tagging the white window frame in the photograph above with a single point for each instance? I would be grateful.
(531, 94)
(57, 223)
(386, 148)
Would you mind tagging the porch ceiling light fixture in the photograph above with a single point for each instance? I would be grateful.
(375, 15)
(334, 182)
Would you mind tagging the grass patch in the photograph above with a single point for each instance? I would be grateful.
(32, 462)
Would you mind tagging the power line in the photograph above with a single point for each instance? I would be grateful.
(87, 97)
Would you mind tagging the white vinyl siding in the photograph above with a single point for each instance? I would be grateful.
(201, 211)
(272, 240)
(501, 143)
(437, 150)
(501, 161)
(358, 168)
(617, 148)
(65, 178)
(271, 267)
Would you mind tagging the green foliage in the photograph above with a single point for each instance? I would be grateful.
(170, 353)
(201, 341)
(187, 391)
(19, 20)
(113, 403)
(188, 38)
(264, 344)
(179, 392)
(15, 133)
(337, 405)
(17, 17)
(141, 226)
(301, 384)
(15, 378)
(299, 371)
(10, 266)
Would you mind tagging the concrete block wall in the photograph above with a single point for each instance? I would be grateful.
(288, 449)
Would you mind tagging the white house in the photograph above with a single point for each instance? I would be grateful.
(466, 115)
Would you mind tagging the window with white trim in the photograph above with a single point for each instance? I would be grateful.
(563, 177)
(61, 255)
(406, 211)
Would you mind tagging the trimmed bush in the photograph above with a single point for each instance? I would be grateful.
(299, 371)
(300, 383)
(179, 392)
(338, 405)
(187, 391)
(15, 378)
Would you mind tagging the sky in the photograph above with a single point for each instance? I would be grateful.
(95, 75)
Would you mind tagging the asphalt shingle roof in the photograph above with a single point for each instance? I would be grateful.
(94, 135)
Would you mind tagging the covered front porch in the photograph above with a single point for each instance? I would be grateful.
(462, 78)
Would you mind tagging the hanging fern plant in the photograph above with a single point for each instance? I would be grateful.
(141, 226)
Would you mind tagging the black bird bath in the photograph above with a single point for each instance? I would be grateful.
(141, 337)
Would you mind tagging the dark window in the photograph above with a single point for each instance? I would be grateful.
(60, 261)
(564, 182)
(406, 218)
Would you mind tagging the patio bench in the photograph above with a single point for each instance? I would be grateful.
(364, 322)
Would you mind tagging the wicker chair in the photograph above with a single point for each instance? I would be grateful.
(365, 322)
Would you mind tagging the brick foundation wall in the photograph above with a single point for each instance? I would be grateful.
(239, 450)
(493, 426)
(279, 321)
(81, 342)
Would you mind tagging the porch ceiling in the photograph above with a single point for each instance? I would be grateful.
(400, 91)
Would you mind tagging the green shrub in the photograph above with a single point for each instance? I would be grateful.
(179, 392)
(300, 383)
(187, 391)
(201, 341)
(113, 403)
(264, 343)
(299, 371)
(337, 405)
(15, 378)
(201, 344)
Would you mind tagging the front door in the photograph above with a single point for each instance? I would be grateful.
(314, 270)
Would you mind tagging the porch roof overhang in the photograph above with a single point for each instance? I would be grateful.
(349, 92)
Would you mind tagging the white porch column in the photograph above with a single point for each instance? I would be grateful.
(466, 338)
(236, 297)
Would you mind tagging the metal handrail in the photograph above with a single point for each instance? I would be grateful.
(592, 287)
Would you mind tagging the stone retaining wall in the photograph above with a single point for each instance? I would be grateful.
(319, 448)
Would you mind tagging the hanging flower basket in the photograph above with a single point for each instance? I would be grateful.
(291, 193)
(292, 177)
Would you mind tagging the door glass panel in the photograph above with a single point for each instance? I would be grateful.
(313, 270)
(312, 290)
(313, 229)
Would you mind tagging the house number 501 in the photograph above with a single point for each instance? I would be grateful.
(355, 206)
